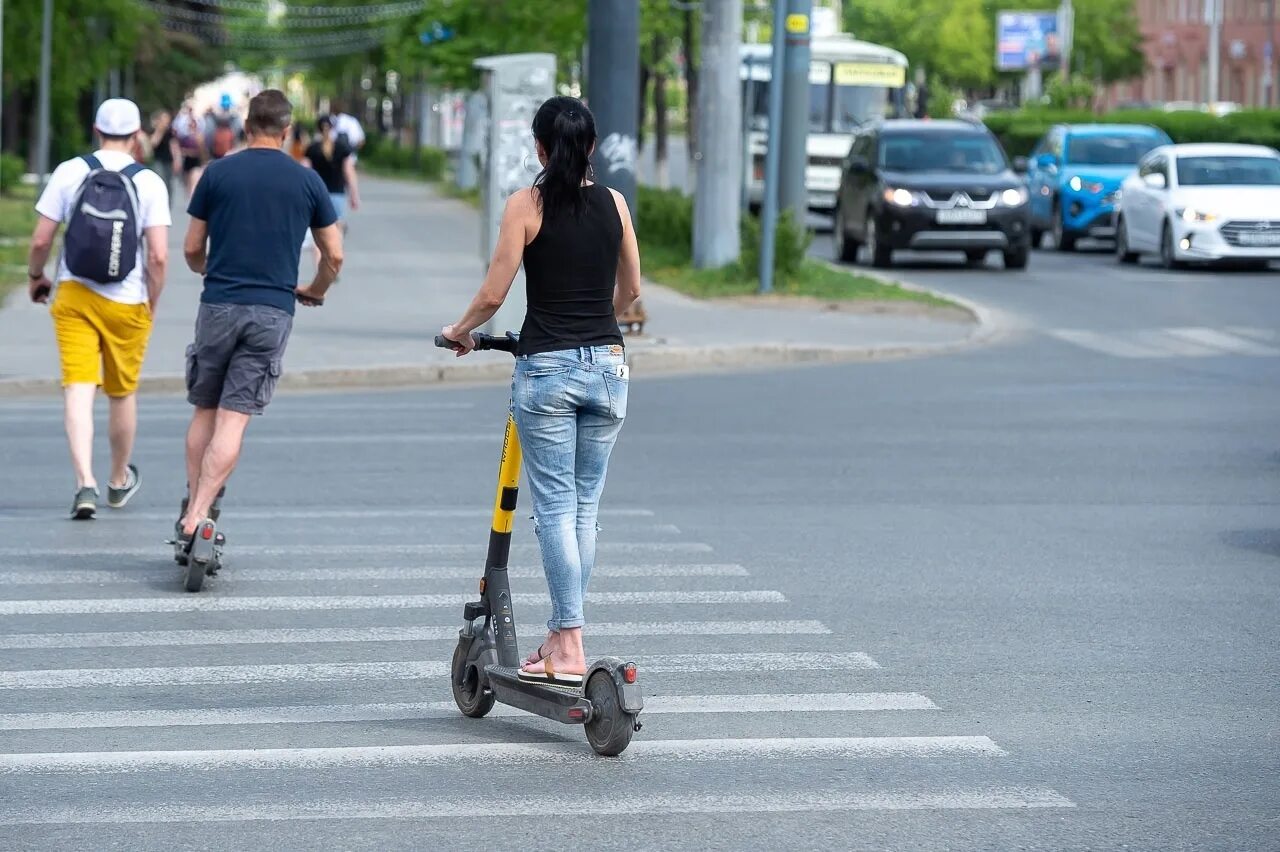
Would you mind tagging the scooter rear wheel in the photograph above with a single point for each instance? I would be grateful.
(468, 692)
(195, 575)
(610, 728)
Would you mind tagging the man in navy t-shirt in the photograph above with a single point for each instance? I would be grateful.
(249, 215)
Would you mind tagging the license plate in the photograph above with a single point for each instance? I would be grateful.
(1262, 239)
(962, 216)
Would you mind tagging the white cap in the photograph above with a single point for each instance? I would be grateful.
(118, 117)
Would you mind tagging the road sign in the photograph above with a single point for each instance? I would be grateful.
(1026, 40)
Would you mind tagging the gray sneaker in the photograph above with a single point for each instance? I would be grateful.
(117, 497)
(85, 505)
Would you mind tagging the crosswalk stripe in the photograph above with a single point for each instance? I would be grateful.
(1223, 341)
(996, 798)
(248, 514)
(540, 753)
(145, 574)
(193, 603)
(1171, 345)
(337, 635)
(1262, 334)
(245, 549)
(402, 670)
(1106, 344)
(660, 704)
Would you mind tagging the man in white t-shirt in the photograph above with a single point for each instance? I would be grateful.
(346, 126)
(103, 328)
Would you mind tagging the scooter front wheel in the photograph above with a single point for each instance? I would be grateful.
(468, 690)
(610, 727)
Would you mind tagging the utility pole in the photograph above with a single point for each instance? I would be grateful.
(42, 112)
(1067, 31)
(795, 111)
(1, 76)
(1215, 48)
(773, 151)
(613, 91)
(715, 201)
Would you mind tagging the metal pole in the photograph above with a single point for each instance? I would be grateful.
(1215, 45)
(1067, 26)
(42, 114)
(748, 104)
(795, 111)
(716, 240)
(613, 81)
(1, 76)
(772, 154)
(1271, 53)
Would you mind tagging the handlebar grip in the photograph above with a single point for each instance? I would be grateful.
(483, 341)
(443, 342)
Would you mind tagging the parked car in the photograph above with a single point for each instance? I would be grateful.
(1202, 203)
(930, 185)
(1074, 176)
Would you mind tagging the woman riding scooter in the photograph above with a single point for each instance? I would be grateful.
(569, 392)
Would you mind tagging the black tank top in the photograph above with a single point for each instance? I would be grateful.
(570, 269)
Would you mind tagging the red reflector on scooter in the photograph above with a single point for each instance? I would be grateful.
(577, 714)
(206, 532)
(629, 672)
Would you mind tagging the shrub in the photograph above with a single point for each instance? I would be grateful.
(12, 168)
(1020, 131)
(664, 220)
(790, 246)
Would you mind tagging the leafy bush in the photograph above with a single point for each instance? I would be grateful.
(1020, 131)
(11, 170)
(385, 155)
(790, 245)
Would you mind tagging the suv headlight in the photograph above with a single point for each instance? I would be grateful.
(900, 197)
(1014, 196)
(1078, 184)
(1190, 214)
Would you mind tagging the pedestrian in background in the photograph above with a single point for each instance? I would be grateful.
(164, 147)
(110, 277)
(248, 217)
(186, 128)
(345, 127)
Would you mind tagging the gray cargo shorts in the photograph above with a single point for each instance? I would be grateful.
(235, 360)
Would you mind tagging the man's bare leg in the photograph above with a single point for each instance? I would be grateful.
(199, 434)
(216, 466)
(123, 428)
(78, 418)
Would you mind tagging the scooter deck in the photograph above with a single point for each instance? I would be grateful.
(544, 699)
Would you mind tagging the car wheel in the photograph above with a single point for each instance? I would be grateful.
(881, 256)
(1062, 240)
(1123, 252)
(1016, 258)
(846, 247)
(1168, 256)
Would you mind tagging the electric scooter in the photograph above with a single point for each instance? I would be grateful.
(201, 555)
(486, 663)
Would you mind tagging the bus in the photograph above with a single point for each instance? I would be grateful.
(851, 82)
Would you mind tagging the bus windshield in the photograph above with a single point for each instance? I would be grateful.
(839, 98)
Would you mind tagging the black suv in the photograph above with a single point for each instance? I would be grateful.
(931, 185)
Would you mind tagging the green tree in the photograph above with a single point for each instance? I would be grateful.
(963, 44)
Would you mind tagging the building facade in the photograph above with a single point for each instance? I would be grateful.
(1177, 36)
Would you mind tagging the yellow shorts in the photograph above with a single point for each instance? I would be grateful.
(100, 342)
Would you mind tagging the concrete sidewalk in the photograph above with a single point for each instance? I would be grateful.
(413, 262)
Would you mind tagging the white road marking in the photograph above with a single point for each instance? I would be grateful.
(194, 603)
(444, 633)
(1223, 341)
(248, 514)
(964, 798)
(1255, 333)
(1107, 344)
(1171, 345)
(56, 577)
(234, 548)
(762, 663)
(683, 704)
(507, 754)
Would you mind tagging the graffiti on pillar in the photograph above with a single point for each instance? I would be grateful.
(618, 154)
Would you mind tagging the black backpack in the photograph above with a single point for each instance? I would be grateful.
(104, 229)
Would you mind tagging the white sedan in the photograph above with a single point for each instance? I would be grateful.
(1202, 203)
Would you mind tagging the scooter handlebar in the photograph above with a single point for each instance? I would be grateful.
(506, 343)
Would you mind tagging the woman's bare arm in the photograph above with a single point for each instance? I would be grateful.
(627, 289)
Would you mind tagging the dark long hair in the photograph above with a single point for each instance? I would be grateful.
(567, 131)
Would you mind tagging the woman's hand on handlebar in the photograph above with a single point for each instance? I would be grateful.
(464, 342)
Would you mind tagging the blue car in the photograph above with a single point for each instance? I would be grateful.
(1074, 177)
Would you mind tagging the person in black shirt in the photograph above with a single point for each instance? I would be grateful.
(163, 144)
(332, 160)
(569, 393)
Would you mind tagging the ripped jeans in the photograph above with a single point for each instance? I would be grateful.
(569, 406)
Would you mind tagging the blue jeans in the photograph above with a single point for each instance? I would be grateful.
(569, 406)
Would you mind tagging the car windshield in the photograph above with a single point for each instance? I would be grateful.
(1229, 171)
(1110, 150)
(968, 153)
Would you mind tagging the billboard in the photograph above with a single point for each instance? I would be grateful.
(1026, 40)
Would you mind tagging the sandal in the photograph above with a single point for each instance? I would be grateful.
(551, 676)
